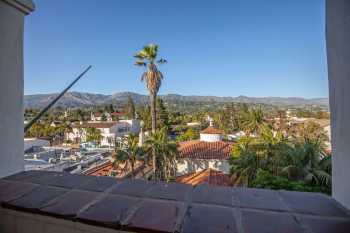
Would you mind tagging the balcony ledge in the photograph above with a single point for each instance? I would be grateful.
(81, 203)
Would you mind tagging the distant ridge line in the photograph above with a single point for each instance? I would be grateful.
(79, 99)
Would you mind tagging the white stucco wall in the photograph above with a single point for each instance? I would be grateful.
(210, 137)
(338, 56)
(185, 166)
(134, 125)
(11, 86)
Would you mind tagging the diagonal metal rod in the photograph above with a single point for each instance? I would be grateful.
(35, 119)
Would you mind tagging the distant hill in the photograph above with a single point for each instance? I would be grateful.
(79, 99)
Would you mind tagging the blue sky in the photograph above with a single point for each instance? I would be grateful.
(223, 48)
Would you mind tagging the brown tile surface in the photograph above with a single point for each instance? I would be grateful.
(69, 204)
(142, 206)
(269, 222)
(109, 211)
(156, 216)
(197, 149)
(170, 191)
(208, 219)
(136, 188)
(312, 203)
(259, 199)
(37, 198)
(12, 190)
(327, 225)
(70, 181)
(209, 195)
(37, 177)
(98, 184)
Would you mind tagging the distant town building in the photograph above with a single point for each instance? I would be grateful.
(111, 131)
(193, 124)
(98, 116)
(210, 152)
(55, 123)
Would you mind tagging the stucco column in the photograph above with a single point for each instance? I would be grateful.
(12, 13)
(338, 55)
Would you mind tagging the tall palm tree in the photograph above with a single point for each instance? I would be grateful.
(153, 79)
(152, 76)
(244, 162)
(164, 152)
(129, 153)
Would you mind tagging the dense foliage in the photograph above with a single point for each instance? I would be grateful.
(274, 159)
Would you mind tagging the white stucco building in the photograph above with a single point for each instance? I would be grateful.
(110, 131)
(210, 152)
(97, 116)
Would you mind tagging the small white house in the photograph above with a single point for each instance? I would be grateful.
(110, 131)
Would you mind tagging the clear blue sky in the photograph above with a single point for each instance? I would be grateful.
(223, 48)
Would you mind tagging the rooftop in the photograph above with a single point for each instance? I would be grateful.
(141, 206)
(211, 130)
(206, 176)
(197, 149)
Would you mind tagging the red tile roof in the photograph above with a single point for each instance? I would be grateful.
(211, 130)
(141, 171)
(205, 150)
(97, 114)
(101, 170)
(206, 176)
(117, 114)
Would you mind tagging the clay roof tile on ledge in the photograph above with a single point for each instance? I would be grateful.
(142, 206)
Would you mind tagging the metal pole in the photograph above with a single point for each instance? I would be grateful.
(35, 119)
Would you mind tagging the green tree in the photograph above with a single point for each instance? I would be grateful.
(190, 134)
(163, 153)
(129, 153)
(129, 108)
(152, 76)
(310, 163)
(103, 117)
(297, 160)
(253, 120)
(144, 112)
(244, 162)
(162, 114)
(93, 135)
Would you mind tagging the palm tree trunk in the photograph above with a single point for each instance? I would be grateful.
(154, 125)
(153, 97)
(132, 170)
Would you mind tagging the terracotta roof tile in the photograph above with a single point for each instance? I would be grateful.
(211, 130)
(100, 170)
(206, 176)
(205, 150)
(117, 114)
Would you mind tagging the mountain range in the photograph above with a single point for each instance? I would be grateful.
(79, 99)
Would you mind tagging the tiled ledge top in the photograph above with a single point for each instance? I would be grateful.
(142, 206)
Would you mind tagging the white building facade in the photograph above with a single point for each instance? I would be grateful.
(110, 131)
